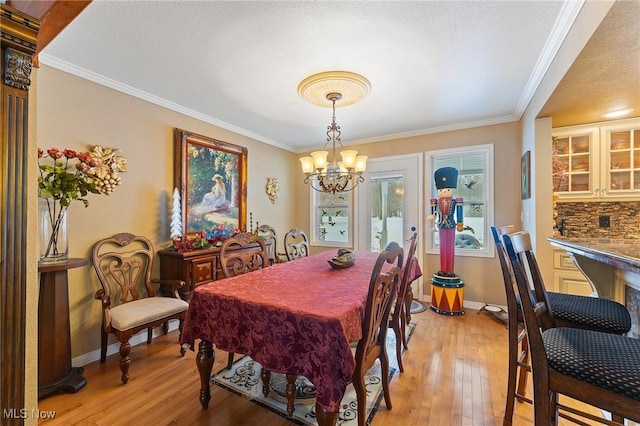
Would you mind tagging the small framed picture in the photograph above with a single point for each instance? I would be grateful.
(525, 175)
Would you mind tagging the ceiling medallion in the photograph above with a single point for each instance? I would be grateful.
(334, 176)
(316, 88)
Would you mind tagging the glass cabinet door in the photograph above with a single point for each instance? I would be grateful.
(623, 166)
(574, 152)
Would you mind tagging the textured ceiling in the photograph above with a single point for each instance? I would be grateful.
(606, 74)
(433, 66)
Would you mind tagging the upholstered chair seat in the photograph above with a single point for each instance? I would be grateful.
(591, 313)
(607, 361)
(144, 311)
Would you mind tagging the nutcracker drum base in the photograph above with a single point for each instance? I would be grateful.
(447, 295)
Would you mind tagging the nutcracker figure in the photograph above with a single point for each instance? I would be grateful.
(446, 211)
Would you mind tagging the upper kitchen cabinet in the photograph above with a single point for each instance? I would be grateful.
(598, 161)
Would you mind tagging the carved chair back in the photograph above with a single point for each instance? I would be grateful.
(268, 234)
(243, 253)
(296, 244)
(123, 264)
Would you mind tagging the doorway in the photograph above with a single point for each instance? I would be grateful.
(389, 204)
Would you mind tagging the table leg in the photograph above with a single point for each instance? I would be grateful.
(324, 417)
(290, 392)
(204, 362)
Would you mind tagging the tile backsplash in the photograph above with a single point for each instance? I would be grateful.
(582, 219)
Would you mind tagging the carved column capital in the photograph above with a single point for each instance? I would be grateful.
(18, 68)
(18, 34)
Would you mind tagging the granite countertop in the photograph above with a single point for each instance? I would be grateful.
(622, 253)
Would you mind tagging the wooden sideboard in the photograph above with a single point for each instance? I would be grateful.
(193, 267)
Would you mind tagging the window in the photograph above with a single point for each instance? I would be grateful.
(475, 187)
(331, 216)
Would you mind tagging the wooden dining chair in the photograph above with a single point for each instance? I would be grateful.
(599, 369)
(270, 237)
(567, 310)
(123, 263)
(296, 244)
(240, 254)
(398, 316)
(372, 346)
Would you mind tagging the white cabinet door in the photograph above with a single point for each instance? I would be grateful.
(620, 153)
(600, 161)
(576, 149)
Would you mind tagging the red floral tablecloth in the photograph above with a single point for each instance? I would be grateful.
(296, 317)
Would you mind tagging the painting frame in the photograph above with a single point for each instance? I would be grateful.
(525, 175)
(211, 177)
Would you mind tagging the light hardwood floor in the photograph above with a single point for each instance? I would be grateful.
(455, 374)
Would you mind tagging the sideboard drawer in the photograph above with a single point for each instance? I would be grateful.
(203, 270)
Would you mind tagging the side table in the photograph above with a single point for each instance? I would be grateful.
(54, 336)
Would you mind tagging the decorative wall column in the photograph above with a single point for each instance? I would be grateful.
(18, 33)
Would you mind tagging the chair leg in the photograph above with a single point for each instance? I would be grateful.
(230, 361)
(542, 403)
(182, 348)
(403, 329)
(149, 335)
(553, 408)
(522, 379)
(125, 348)
(407, 304)
(265, 375)
(165, 327)
(384, 371)
(398, 331)
(361, 396)
(513, 369)
(104, 336)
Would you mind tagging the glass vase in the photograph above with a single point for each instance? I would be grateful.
(53, 232)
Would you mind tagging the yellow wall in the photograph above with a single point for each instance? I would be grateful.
(75, 113)
(33, 288)
(482, 276)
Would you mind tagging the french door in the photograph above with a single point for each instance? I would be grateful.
(389, 204)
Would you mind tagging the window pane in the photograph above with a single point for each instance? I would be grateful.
(387, 204)
(475, 187)
(331, 218)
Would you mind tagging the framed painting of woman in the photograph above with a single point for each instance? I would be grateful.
(211, 176)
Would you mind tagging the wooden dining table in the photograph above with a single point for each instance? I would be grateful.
(294, 318)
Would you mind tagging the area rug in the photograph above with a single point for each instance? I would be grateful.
(243, 379)
(417, 307)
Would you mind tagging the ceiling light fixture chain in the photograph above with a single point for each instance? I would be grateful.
(333, 130)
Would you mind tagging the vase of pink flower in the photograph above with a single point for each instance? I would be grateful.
(67, 176)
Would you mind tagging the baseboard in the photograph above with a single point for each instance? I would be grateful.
(113, 348)
(469, 304)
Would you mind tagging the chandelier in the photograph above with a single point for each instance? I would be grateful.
(320, 173)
